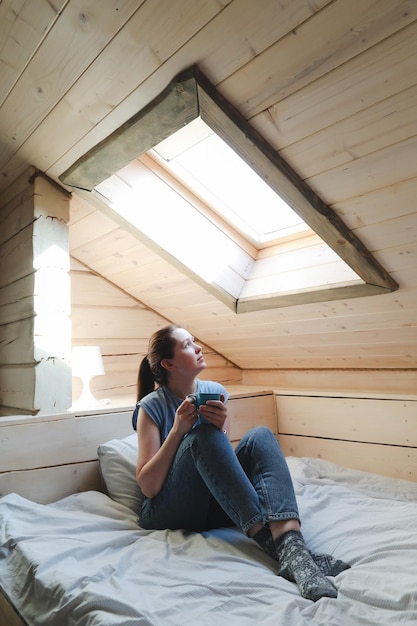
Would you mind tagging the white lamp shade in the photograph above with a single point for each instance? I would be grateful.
(87, 362)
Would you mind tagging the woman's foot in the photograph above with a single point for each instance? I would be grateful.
(328, 565)
(296, 564)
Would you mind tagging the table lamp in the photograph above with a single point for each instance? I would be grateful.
(86, 362)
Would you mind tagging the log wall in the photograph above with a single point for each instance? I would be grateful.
(35, 329)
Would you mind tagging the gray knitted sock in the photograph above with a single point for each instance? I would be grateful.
(328, 565)
(296, 564)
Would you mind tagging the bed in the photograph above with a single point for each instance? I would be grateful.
(84, 560)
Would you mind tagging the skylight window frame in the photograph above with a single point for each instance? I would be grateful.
(197, 156)
(191, 95)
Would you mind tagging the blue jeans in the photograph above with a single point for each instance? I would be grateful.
(210, 485)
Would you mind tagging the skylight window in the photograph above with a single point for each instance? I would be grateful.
(207, 165)
(164, 216)
(252, 232)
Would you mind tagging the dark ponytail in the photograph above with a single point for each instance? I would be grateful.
(146, 381)
(151, 372)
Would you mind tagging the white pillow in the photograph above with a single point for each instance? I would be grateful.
(117, 460)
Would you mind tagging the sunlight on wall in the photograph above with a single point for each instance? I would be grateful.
(52, 303)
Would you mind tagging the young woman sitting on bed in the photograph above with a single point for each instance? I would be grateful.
(191, 477)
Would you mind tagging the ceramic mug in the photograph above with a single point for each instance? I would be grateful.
(201, 398)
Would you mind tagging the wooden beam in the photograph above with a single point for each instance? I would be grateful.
(168, 112)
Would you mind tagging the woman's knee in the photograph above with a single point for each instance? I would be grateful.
(258, 437)
(258, 433)
(263, 431)
(206, 432)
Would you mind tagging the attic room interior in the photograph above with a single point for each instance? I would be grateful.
(301, 291)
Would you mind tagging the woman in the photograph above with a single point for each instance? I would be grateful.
(191, 477)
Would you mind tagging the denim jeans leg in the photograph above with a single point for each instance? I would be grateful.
(204, 466)
(264, 463)
(184, 500)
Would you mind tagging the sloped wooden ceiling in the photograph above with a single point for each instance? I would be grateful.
(330, 84)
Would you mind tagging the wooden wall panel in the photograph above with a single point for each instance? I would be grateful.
(359, 133)
(34, 297)
(49, 484)
(368, 173)
(402, 382)
(19, 40)
(374, 434)
(26, 443)
(16, 299)
(339, 335)
(104, 315)
(344, 335)
(383, 421)
(92, 29)
(394, 462)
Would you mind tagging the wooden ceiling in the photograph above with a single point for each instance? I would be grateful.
(330, 84)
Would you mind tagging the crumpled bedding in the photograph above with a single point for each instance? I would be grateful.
(84, 561)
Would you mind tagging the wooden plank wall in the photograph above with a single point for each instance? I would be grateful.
(34, 297)
(104, 315)
(36, 463)
(369, 433)
(402, 382)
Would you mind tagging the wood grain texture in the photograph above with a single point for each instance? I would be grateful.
(331, 87)
(397, 462)
(35, 332)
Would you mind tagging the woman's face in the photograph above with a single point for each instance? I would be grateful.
(188, 356)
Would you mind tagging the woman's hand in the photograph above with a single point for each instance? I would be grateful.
(215, 412)
(185, 417)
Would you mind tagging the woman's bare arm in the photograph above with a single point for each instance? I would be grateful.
(155, 460)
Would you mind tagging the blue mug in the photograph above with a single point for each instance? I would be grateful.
(201, 398)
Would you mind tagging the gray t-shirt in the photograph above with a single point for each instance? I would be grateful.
(161, 405)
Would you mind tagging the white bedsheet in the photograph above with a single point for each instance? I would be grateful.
(84, 561)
